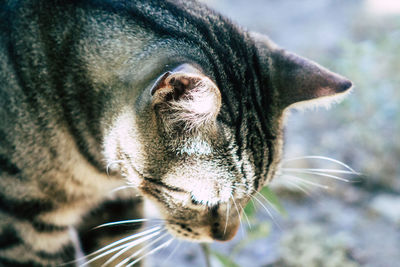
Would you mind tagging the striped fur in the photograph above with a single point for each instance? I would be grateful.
(75, 102)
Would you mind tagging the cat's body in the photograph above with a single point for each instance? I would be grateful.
(170, 97)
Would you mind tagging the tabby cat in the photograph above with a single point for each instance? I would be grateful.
(168, 97)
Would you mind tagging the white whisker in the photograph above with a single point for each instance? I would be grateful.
(246, 193)
(129, 246)
(151, 230)
(107, 250)
(165, 244)
(261, 195)
(227, 216)
(298, 186)
(238, 214)
(266, 200)
(321, 170)
(121, 188)
(173, 251)
(245, 215)
(320, 174)
(306, 181)
(268, 211)
(322, 158)
(254, 204)
(121, 222)
(260, 202)
(122, 263)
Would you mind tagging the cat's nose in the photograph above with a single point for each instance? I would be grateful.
(224, 223)
(224, 232)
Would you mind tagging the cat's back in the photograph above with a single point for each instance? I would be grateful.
(11, 95)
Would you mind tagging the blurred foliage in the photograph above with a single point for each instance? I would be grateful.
(371, 113)
(224, 259)
(267, 197)
(255, 228)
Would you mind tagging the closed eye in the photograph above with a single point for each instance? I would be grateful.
(169, 187)
(195, 202)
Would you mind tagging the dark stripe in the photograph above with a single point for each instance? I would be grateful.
(238, 133)
(64, 254)
(81, 131)
(159, 183)
(262, 99)
(14, 263)
(43, 227)
(163, 28)
(266, 98)
(7, 166)
(214, 211)
(157, 194)
(28, 209)
(9, 238)
(214, 37)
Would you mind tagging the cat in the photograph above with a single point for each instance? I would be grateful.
(167, 97)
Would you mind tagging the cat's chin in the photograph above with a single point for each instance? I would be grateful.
(203, 234)
(203, 228)
(184, 232)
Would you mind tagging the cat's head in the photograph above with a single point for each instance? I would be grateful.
(199, 151)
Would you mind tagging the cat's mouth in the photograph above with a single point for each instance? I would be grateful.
(196, 222)
(205, 227)
(197, 217)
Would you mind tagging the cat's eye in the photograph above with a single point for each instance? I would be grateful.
(195, 202)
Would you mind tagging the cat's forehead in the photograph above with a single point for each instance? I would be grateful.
(195, 146)
(207, 183)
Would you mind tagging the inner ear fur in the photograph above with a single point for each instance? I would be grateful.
(186, 98)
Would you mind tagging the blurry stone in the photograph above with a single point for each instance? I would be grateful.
(387, 206)
(310, 245)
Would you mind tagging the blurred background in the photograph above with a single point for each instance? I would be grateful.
(322, 220)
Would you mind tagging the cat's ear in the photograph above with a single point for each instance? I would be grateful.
(186, 98)
(298, 80)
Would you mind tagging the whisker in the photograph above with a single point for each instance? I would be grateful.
(322, 158)
(260, 202)
(245, 216)
(121, 188)
(122, 263)
(252, 201)
(173, 251)
(268, 211)
(165, 244)
(246, 193)
(129, 246)
(267, 200)
(307, 181)
(238, 213)
(149, 231)
(227, 216)
(322, 174)
(321, 170)
(123, 246)
(121, 222)
(304, 190)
